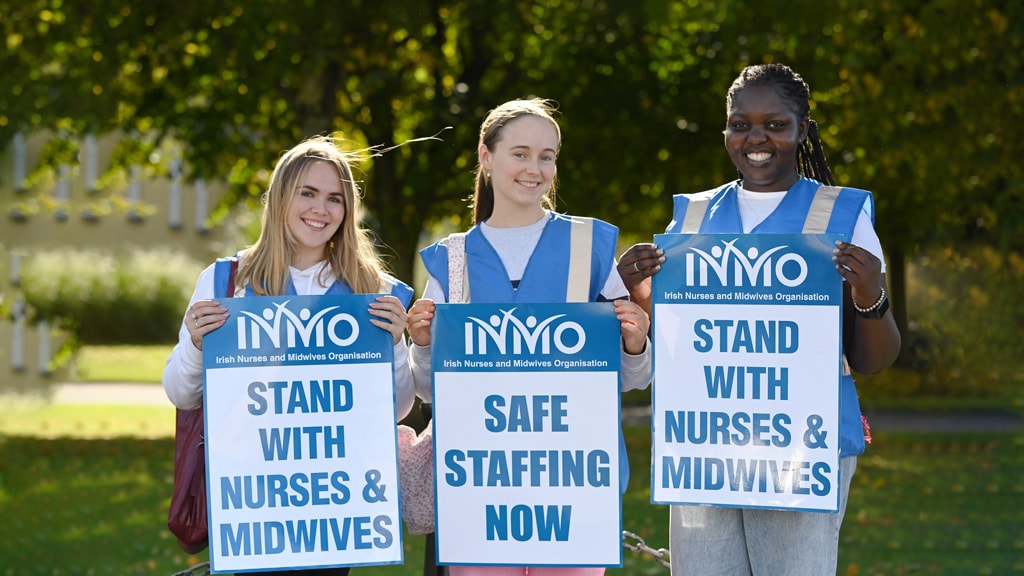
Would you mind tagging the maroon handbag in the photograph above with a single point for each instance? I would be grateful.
(187, 515)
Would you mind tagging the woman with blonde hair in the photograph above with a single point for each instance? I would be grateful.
(310, 243)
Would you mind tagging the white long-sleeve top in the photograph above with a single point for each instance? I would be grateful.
(183, 375)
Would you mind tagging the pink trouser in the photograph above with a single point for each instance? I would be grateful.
(519, 571)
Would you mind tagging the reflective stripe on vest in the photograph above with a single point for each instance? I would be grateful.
(696, 208)
(581, 254)
(816, 222)
(820, 211)
(581, 242)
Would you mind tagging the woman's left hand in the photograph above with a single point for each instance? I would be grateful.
(203, 317)
(389, 314)
(862, 269)
(634, 324)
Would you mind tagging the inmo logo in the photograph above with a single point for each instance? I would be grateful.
(510, 335)
(311, 330)
(732, 267)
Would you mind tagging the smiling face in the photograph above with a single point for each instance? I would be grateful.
(315, 211)
(762, 136)
(522, 168)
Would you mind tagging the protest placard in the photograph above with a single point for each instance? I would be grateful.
(300, 435)
(747, 363)
(526, 434)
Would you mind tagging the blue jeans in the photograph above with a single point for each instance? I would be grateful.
(707, 541)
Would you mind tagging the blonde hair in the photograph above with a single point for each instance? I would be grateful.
(490, 134)
(350, 251)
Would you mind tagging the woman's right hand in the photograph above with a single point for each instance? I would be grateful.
(418, 322)
(636, 266)
(203, 317)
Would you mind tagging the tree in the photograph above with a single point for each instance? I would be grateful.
(928, 97)
(237, 84)
(905, 93)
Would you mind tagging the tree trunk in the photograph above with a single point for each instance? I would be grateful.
(896, 275)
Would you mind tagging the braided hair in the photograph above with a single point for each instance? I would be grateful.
(810, 156)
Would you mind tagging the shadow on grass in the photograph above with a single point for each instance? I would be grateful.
(98, 507)
(945, 504)
(87, 506)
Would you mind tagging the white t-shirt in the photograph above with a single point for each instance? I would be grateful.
(515, 246)
(756, 206)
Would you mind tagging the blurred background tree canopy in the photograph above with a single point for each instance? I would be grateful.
(920, 102)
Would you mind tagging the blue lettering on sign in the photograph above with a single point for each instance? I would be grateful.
(287, 443)
(737, 429)
(551, 521)
(720, 382)
(278, 490)
(519, 412)
(514, 468)
(767, 336)
(742, 475)
(298, 396)
(307, 535)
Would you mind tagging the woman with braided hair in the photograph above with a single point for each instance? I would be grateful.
(774, 145)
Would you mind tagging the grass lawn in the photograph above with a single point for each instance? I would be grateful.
(120, 363)
(84, 491)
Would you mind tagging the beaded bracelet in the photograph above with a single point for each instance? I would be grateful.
(873, 307)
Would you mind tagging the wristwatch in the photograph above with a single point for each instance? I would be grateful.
(876, 310)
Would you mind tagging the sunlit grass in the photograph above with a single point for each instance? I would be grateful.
(87, 421)
(937, 504)
(120, 363)
(84, 490)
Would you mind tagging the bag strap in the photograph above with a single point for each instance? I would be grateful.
(231, 278)
(458, 279)
(224, 272)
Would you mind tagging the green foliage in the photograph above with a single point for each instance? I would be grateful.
(964, 340)
(925, 102)
(134, 298)
(970, 314)
(641, 85)
(918, 102)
